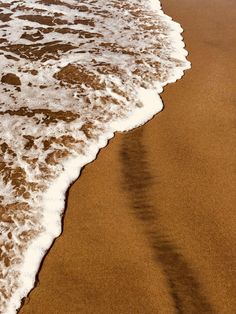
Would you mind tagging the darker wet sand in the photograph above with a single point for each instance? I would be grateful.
(150, 226)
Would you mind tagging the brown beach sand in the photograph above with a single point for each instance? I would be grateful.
(150, 226)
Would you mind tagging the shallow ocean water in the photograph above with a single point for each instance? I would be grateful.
(72, 73)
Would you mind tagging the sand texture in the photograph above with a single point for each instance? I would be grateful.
(150, 225)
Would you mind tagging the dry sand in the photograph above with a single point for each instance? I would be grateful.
(150, 226)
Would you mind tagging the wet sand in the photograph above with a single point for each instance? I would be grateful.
(150, 225)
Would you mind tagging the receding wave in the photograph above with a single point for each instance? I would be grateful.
(72, 73)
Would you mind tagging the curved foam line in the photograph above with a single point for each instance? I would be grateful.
(54, 199)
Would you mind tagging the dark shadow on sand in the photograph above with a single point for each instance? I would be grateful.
(138, 183)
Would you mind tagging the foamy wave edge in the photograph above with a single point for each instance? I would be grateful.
(54, 199)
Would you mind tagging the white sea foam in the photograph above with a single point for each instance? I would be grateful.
(100, 68)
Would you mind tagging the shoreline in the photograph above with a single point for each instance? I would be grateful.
(179, 166)
(50, 206)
